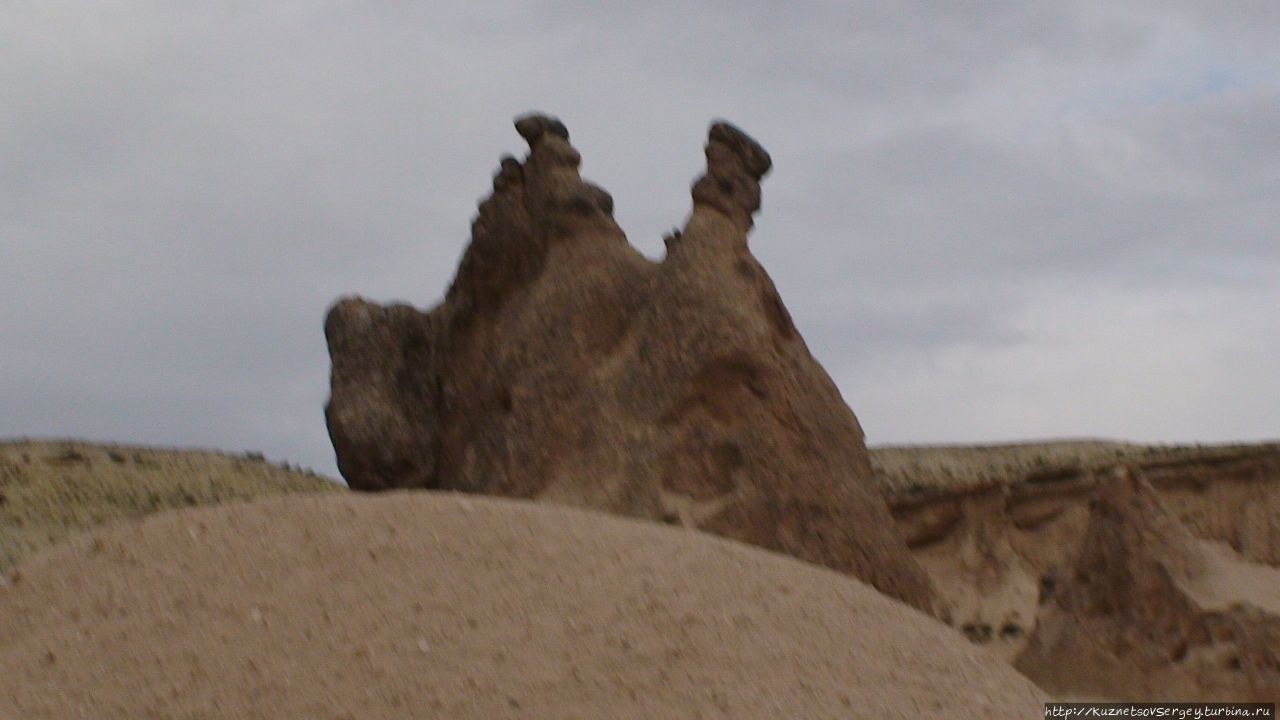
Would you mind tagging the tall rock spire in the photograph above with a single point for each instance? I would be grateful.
(565, 366)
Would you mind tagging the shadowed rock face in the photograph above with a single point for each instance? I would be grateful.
(565, 366)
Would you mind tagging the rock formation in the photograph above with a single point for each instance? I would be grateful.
(1147, 611)
(985, 587)
(565, 366)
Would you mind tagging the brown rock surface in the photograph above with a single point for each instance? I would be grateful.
(986, 588)
(428, 605)
(565, 366)
(994, 527)
(1149, 612)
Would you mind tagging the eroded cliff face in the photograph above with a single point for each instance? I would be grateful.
(564, 366)
(1153, 578)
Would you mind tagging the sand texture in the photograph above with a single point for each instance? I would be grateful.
(414, 604)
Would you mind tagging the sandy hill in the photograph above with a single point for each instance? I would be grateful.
(1021, 557)
(51, 489)
(415, 604)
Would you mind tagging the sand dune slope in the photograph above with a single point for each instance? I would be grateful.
(423, 605)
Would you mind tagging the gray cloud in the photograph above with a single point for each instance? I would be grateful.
(1029, 219)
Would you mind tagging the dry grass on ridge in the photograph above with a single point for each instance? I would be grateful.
(51, 489)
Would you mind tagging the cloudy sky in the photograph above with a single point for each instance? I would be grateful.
(1033, 219)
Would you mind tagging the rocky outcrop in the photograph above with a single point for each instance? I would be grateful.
(1232, 498)
(565, 366)
(994, 527)
(1148, 612)
(1102, 569)
(986, 588)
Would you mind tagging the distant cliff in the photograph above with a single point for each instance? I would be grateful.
(1139, 550)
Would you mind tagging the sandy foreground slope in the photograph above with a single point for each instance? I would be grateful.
(415, 604)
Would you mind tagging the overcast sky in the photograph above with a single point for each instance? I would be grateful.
(1033, 219)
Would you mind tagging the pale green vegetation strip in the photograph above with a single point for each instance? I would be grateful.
(50, 490)
(916, 469)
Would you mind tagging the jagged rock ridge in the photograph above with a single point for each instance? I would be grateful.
(563, 365)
